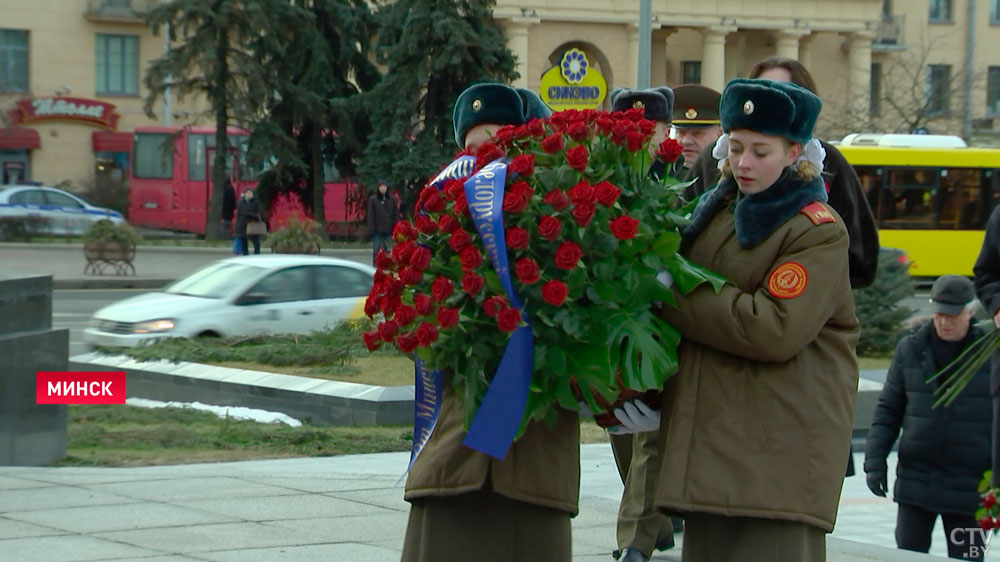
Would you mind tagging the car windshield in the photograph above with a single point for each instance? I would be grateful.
(214, 281)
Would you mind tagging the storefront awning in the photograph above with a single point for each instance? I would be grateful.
(19, 138)
(107, 141)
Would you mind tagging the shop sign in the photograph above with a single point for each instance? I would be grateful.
(84, 110)
(574, 84)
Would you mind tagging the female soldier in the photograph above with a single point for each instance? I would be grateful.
(757, 421)
(465, 504)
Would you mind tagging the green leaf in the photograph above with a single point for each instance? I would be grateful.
(493, 281)
(688, 275)
(648, 348)
(667, 244)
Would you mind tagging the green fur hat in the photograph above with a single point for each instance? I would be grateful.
(497, 104)
(658, 103)
(773, 108)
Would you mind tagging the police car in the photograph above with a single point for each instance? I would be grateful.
(48, 210)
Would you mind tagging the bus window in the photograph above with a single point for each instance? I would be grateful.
(154, 156)
(907, 198)
(871, 184)
(959, 201)
(197, 147)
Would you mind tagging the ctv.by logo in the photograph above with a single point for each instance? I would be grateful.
(978, 541)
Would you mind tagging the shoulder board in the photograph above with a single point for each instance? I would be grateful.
(818, 213)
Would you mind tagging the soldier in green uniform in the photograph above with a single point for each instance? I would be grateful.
(696, 124)
(641, 527)
(757, 421)
(465, 504)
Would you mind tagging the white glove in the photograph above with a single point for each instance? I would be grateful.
(585, 410)
(635, 417)
(665, 278)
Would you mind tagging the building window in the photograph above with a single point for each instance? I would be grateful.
(995, 11)
(940, 11)
(691, 72)
(993, 92)
(13, 60)
(875, 107)
(117, 64)
(887, 9)
(938, 89)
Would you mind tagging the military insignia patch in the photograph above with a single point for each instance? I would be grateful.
(638, 104)
(788, 280)
(818, 214)
(748, 107)
(477, 105)
(691, 113)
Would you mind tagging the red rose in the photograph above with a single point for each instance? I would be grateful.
(461, 206)
(634, 140)
(472, 283)
(582, 192)
(407, 343)
(427, 334)
(522, 165)
(448, 224)
(420, 258)
(371, 305)
(447, 317)
(554, 292)
(578, 131)
(410, 275)
(405, 314)
(372, 339)
(395, 288)
(606, 193)
(557, 199)
(527, 271)
(488, 152)
(549, 228)
(459, 239)
(388, 306)
(536, 128)
(388, 330)
(470, 257)
(442, 288)
(553, 143)
(382, 260)
(505, 134)
(509, 319)
(453, 188)
(584, 213)
(624, 228)
(514, 203)
(517, 238)
(568, 254)
(494, 305)
(431, 200)
(987, 523)
(403, 231)
(669, 151)
(522, 189)
(402, 252)
(426, 225)
(423, 304)
(576, 157)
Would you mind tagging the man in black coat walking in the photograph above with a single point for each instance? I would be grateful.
(987, 271)
(943, 451)
(383, 212)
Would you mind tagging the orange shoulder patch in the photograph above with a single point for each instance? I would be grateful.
(788, 280)
(818, 213)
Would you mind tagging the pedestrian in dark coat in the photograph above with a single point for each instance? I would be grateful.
(248, 210)
(987, 271)
(383, 212)
(844, 189)
(943, 451)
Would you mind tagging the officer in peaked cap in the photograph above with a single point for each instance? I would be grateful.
(696, 123)
(657, 105)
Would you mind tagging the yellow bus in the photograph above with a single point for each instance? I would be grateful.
(931, 202)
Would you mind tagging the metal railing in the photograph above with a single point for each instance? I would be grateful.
(119, 10)
(890, 32)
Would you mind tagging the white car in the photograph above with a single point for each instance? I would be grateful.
(54, 210)
(278, 293)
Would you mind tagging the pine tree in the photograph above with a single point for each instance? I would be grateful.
(877, 306)
(432, 50)
(225, 50)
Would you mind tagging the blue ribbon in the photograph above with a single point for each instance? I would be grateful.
(496, 422)
(428, 384)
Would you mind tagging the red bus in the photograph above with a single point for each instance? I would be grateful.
(171, 176)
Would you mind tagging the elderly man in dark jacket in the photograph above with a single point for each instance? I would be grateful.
(944, 451)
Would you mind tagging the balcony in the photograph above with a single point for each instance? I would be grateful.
(118, 11)
(890, 33)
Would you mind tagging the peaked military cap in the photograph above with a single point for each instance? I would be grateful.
(497, 104)
(696, 106)
(773, 108)
(657, 103)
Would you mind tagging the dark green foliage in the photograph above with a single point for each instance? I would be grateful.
(432, 49)
(23, 228)
(878, 306)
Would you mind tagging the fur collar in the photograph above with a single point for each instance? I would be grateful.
(757, 216)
